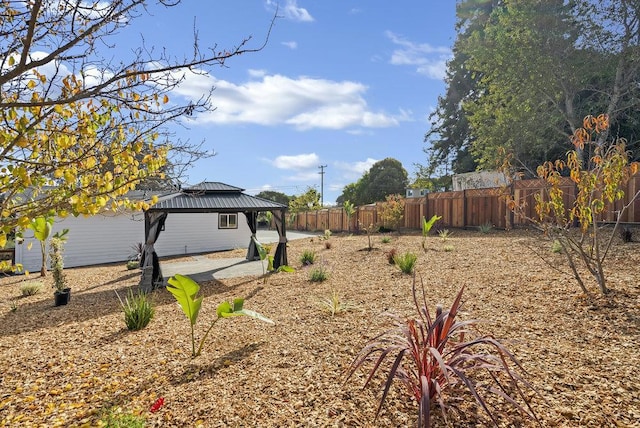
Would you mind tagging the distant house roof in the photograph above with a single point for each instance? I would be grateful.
(214, 197)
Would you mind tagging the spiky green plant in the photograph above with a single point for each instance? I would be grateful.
(308, 257)
(138, 310)
(406, 262)
(485, 228)
(431, 355)
(318, 274)
(444, 234)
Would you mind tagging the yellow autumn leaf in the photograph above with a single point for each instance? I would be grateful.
(165, 99)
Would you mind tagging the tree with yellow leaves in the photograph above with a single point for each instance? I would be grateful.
(600, 181)
(78, 130)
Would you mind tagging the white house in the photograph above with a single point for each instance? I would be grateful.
(110, 237)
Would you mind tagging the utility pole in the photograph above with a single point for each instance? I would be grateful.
(322, 167)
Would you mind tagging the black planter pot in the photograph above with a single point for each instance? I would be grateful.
(62, 297)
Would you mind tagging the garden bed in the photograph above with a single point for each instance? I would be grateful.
(67, 366)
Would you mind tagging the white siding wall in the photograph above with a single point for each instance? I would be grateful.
(109, 238)
(198, 233)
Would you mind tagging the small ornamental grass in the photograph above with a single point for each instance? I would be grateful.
(334, 304)
(485, 228)
(318, 274)
(308, 257)
(432, 355)
(138, 310)
(30, 288)
(406, 262)
(444, 234)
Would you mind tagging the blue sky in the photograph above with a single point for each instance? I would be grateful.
(340, 83)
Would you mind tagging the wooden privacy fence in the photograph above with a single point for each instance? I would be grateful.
(462, 209)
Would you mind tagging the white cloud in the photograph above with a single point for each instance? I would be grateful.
(257, 73)
(303, 102)
(297, 162)
(291, 11)
(291, 45)
(304, 177)
(430, 61)
(355, 170)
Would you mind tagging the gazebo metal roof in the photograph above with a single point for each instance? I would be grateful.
(214, 197)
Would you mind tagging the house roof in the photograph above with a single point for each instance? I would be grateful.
(214, 197)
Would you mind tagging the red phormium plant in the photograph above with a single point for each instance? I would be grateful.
(431, 356)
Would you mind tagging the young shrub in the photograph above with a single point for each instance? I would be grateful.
(406, 262)
(138, 310)
(318, 274)
(185, 290)
(57, 263)
(369, 230)
(433, 353)
(599, 171)
(426, 228)
(308, 257)
(30, 288)
(349, 210)
(334, 304)
(385, 239)
(392, 211)
(133, 264)
(391, 256)
(13, 305)
(448, 248)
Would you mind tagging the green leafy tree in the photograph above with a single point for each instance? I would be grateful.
(79, 129)
(308, 201)
(274, 196)
(385, 177)
(537, 67)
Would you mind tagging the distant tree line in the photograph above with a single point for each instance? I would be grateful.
(385, 177)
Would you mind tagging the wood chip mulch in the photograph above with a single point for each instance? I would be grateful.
(68, 365)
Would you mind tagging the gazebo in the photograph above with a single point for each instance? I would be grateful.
(208, 197)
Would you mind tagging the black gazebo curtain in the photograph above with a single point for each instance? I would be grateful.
(252, 221)
(280, 258)
(149, 263)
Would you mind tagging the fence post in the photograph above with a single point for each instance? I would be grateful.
(464, 208)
